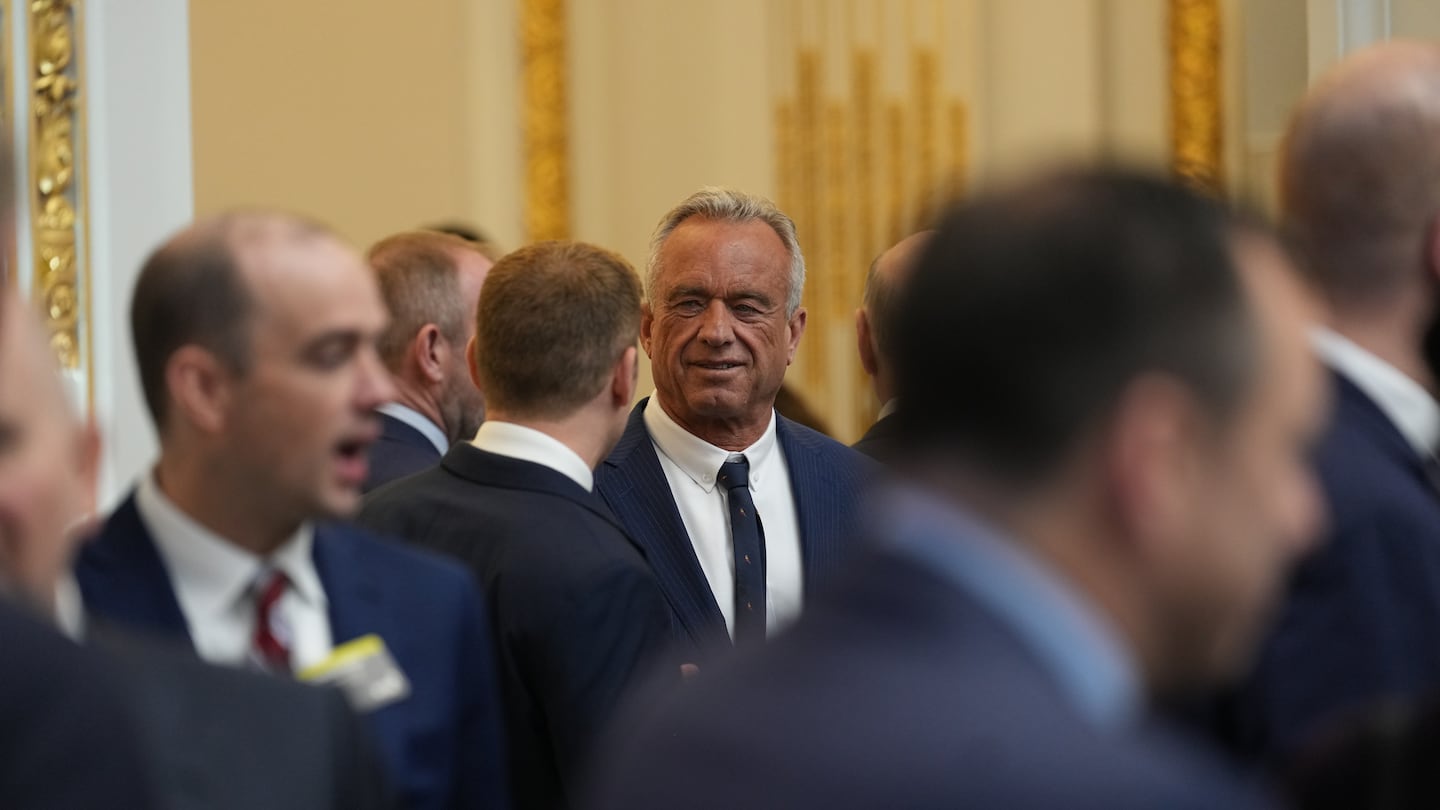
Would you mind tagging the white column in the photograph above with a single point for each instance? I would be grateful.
(1339, 27)
(136, 72)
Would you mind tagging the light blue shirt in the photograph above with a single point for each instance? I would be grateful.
(1074, 642)
(420, 422)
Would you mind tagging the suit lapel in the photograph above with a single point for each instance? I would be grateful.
(811, 485)
(633, 483)
(356, 600)
(392, 429)
(122, 578)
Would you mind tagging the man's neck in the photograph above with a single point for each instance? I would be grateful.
(200, 491)
(581, 431)
(422, 402)
(735, 435)
(1393, 341)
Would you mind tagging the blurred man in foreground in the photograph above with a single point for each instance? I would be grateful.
(1108, 399)
(1360, 193)
(255, 339)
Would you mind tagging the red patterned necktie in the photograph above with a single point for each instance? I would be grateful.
(270, 647)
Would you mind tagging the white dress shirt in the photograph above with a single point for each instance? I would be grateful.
(213, 580)
(1404, 401)
(419, 421)
(529, 444)
(691, 465)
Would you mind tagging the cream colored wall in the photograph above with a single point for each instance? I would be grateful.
(355, 113)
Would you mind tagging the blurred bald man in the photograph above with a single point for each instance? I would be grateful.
(874, 330)
(1360, 188)
(255, 335)
(430, 282)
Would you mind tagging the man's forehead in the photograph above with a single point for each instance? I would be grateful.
(705, 245)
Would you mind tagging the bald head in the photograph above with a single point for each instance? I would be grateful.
(196, 289)
(882, 289)
(1360, 173)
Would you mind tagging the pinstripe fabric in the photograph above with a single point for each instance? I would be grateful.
(828, 480)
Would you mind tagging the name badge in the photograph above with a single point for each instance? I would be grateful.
(364, 670)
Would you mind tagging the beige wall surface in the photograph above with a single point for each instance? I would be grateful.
(354, 113)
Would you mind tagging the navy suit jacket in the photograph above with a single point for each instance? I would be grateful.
(828, 480)
(442, 743)
(1362, 618)
(881, 441)
(401, 450)
(579, 618)
(67, 741)
(896, 689)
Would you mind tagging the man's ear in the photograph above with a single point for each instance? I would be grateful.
(797, 328)
(1150, 453)
(430, 349)
(865, 342)
(624, 378)
(200, 388)
(472, 362)
(647, 321)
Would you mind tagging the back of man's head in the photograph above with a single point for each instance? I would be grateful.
(1360, 174)
(554, 319)
(1031, 310)
(420, 281)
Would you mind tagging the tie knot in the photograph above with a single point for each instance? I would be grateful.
(269, 586)
(735, 474)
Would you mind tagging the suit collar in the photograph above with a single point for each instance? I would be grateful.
(1405, 403)
(123, 579)
(1356, 407)
(699, 459)
(407, 426)
(486, 469)
(811, 484)
(356, 595)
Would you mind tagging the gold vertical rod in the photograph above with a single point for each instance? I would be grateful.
(545, 120)
(1196, 119)
(10, 273)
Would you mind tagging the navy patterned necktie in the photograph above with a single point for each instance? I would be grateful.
(748, 541)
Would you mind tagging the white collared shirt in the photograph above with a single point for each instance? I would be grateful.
(529, 444)
(420, 422)
(691, 465)
(213, 577)
(1404, 401)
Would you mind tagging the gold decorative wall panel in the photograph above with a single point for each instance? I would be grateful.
(1196, 118)
(61, 281)
(870, 137)
(547, 182)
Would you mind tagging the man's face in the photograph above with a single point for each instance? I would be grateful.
(1256, 504)
(715, 325)
(462, 403)
(298, 423)
(47, 462)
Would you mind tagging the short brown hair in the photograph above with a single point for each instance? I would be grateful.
(417, 271)
(553, 319)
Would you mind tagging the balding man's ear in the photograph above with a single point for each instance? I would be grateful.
(429, 349)
(200, 388)
(865, 342)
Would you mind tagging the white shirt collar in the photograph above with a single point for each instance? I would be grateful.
(210, 573)
(419, 421)
(888, 408)
(698, 458)
(1404, 401)
(529, 444)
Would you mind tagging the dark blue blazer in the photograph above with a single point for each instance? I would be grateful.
(896, 689)
(67, 740)
(579, 618)
(1362, 617)
(401, 450)
(828, 480)
(442, 744)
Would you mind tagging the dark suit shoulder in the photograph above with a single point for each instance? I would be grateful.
(395, 561)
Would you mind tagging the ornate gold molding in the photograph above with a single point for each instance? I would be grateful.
(547, 181)
(10, 273)
(1196, 118)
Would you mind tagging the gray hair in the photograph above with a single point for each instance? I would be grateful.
(728, 205)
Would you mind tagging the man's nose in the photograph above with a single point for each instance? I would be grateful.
(715, 326)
